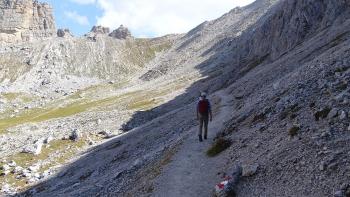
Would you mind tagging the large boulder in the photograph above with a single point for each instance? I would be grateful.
(34, 149)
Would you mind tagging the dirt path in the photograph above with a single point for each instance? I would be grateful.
(191, 172)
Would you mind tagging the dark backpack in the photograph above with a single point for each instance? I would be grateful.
(203, 106)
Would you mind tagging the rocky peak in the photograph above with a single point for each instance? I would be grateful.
(25, 20)
(121, 33)
(64, 33)
(99, 30)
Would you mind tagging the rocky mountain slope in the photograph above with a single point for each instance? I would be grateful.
(277, 72)
(22, 20)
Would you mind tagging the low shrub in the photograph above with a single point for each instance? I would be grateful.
(293, 131)
(218, 146)
(322, 113)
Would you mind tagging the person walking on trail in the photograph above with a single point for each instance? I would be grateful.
(203, 115)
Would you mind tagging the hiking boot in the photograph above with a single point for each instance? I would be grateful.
(205, 137)
(200, 138)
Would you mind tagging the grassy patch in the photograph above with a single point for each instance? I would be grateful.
(143, 51)
(10, 96)
(133, 100)
(144, 104)
(67, 149)
(39, 115)
(218, 146)
(17, 95)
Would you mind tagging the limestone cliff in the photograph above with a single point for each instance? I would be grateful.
(25, 20)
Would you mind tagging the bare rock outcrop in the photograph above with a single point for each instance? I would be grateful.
(97, 31)
(64, 33)
(121, 33)
(25, 20)
(100, 30)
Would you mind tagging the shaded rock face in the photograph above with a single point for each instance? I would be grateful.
(25, 20)
(64, 33)
(97, 31)
(100, 30)
(121, 33)
(290, 24)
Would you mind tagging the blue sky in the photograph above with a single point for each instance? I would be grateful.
(145, 18)
(64, 11)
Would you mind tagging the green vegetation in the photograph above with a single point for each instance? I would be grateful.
(144, 104)
(293, 131)
(82, 105)
(67, 149)
(18, 95)
(75, 104)
(342, 69)
(14, 97)
(322, 113)
(10, 96)
(218, 146)
(38, 115)
(143, 50)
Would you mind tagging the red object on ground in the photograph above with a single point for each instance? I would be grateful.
(221, 185)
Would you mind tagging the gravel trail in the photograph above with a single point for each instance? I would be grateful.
(191, 171)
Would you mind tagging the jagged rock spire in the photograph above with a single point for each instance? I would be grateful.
(121, 33)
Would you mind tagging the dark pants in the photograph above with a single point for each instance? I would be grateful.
(203, 121)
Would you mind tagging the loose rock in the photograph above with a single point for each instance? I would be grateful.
(249, 170)
(34, 149)
(343, 115)
(333, 113)
(12, 164)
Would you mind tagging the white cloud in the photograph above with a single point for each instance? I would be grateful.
(159, 17)
(84, 2)
(81, 20)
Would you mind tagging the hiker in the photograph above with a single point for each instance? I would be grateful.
(203, 115)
